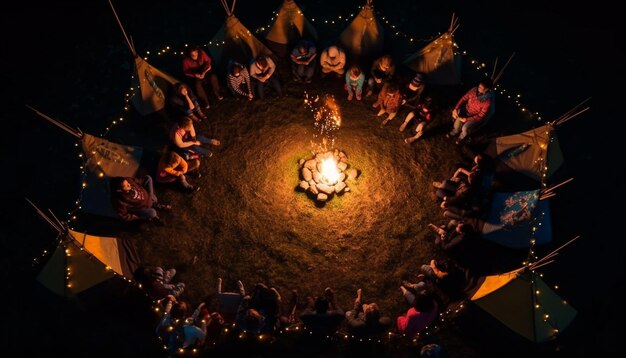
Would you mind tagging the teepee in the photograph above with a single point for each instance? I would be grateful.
(535, 153)
(150, 85)
(288, 27)
(102, 160)
(439, 60)
(234, 41)
(81, 261)
(364, 35)
(522, 301)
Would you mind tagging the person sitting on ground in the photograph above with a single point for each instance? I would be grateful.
(382, 71)
(134, 199)
(157, 282)
(423, 115)
(412, 94)
(263, 73)
(302, 64)
(468, 190)
(421, 315)
(197, 69)
(268, 302)
(365, 319)
(354, 82)
(333, 59)
(238, 80)
(476, 106)
(228, 302)
(183, 136)
(389, 99)
(321, 314)
(185, 102)
(179, 331)
(452, 234)
(443, 274)
(172, 168)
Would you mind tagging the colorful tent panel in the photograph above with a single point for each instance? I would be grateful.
(516, 218)
(438, 60)
(524, 303)
(151, 87)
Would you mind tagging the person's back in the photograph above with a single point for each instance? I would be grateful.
(320, 320)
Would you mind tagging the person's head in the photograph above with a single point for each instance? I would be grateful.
(424, 302)
(180, 310)
(427, 103)
(261, 62)
(119, 184)
(392, 88)
(172, 158)
(372, 314)
(333, 51)
(484, 85)
(236, 69)
(321, 305)
(253, 319)
(185, 123)
(181, 89)
(302, 47)
(431, 350)
(355, 71)
(385, 63)
(416, 82)
(463, 228)
(194, 52)
(442, 265)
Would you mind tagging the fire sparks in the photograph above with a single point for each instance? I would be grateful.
(327, 120)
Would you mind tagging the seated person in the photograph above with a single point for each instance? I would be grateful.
(354, 82)
(423, 115)
(472, 110)
(157, 282)
(412, 94)
(454, 233)
(389, 99)
(333, 59)
(321, 315)
(134, 199)
(228, 302)
(382, 71)
(172, 168)
(238, 80)
(302, 61)
(185, 102)
(197, 69)
(263, 73)
(365, 319)
(421, 315)
(183, 136)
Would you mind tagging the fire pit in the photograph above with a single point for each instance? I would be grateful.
(326, 174)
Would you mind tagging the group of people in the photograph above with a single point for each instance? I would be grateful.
(262, 310)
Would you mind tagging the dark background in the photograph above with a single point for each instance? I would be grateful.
(68, 59)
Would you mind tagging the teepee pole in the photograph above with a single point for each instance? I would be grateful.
(563, 120)
(553, 253)
(59, 223)
(503, 68)
(59, 124)
(130, 45)
(534, 267)
(44, 216)
(568, 114)
(550, 189)
(495, 66)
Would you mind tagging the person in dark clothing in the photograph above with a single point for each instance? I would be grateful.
(134, 199)
(197, 66)
(321, 315)
(365, 319)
